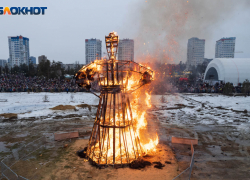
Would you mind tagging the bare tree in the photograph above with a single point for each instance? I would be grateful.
(246, 87)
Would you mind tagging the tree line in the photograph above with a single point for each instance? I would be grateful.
(45, 68)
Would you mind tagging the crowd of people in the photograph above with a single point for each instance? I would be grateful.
(203, 87)
(21, 83)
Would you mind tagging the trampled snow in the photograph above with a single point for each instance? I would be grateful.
(202, 109)
(33, 105)
(179, 109)
(237, 103)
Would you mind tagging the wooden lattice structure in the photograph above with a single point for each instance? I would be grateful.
(113, 139)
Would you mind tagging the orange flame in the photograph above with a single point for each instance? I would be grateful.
(138, 117)
(148, 100)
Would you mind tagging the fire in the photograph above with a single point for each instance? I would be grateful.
(106, 144)
(147, 146)
(133, 81)
(119, 134)
(147, 101)
(151, 146)
(140, 115)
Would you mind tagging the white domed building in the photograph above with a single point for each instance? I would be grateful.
(233, 70)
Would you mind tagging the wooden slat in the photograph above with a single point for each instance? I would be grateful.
(177, 140)
(65, 135)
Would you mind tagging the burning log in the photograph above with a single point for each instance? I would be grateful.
(139, 164)
(115, 137)
(158, 165)
(82, 153)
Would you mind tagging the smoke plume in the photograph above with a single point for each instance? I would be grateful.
(166, 25)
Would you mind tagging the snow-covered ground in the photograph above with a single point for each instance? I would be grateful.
(237, 103)
(179, 109)
(33, 105)
(219, 122)
(202, 109)
(215, 100)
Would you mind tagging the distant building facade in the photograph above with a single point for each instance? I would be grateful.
(41, 58)
(3, 62)
(32, 59)
(195, 52)
(69, 66)
(93, 50)
(72, 66)
(225, 47)
(126, 49)
(18, 50)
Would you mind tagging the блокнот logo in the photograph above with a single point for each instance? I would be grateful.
(22, 10)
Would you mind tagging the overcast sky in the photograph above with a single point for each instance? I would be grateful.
(60, 34)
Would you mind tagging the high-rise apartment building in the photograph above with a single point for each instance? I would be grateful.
(18, 50)
(126, 49)
(195, 52)
(225, 47)
(41, 58)
(3, 62)
(93, 50)
(32, 59)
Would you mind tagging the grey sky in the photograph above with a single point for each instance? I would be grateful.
(60, 34)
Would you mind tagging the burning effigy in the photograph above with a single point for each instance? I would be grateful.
(116, 134)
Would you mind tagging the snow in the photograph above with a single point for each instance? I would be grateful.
(32, 105)
(195, 109)
(201, 109)
(237, 103)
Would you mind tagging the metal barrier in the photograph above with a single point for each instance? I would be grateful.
(28, 149)
(19, 154)
(21, 178)
(190, 166)
(192, 161)
(7, 173)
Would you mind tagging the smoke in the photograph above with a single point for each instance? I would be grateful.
(164, 26)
